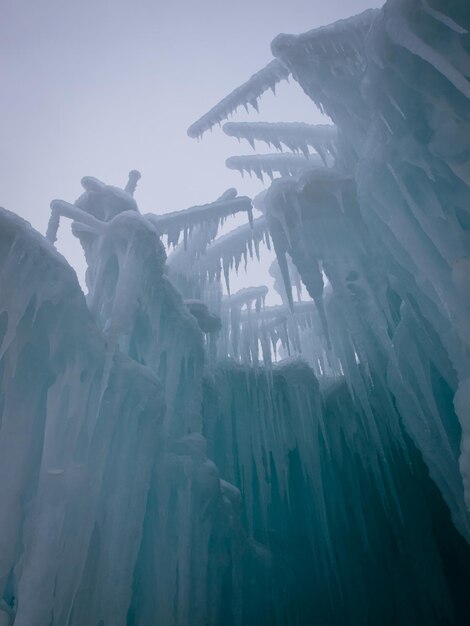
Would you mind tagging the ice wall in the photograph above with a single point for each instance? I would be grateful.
(411, 193)
(345, 531)
(366, 319)
(387, 225)
(102, 459)
(80, 430)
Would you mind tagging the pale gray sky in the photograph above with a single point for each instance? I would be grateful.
(99, 87)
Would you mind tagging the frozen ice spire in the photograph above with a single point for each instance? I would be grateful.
(248, 93)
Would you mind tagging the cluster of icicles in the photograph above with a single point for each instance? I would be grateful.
(350, 222)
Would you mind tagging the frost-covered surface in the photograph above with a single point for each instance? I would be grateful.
(173, 455)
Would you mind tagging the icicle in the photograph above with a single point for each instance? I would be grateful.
(234, 244)
(296, 136)
(269, 163)
(177, 221)
(281, 259)
(444, 19)
(401, 34)
(248, 93)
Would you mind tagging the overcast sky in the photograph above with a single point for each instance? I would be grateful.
(99, 87)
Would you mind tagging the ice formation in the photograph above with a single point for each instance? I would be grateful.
(246, 94)
(296, 136)
(284, 164)
(171, 454)
(207, 218)
(228, 251)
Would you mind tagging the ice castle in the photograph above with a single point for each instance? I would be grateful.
(176, 454)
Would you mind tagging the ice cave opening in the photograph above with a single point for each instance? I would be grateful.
(173, 453)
